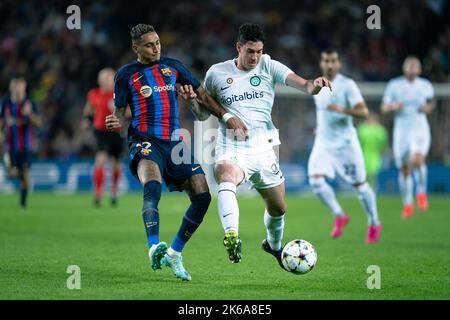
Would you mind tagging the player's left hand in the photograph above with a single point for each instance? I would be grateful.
(334, 107)
(186, 91)
(27, 108)
(319, 83)
(426, 108)
(112, 122)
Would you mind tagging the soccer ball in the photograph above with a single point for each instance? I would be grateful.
(298, 256)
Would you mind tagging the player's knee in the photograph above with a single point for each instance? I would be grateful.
(277, 209)
(363, 188)
(152, 195)
(226, 176)
(200, 203)
(228, 173)
(101, 159)
(417, 160)
(316, 182)
(405, 170)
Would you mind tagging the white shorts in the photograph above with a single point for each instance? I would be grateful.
(406, 145)
(347, 162)
(261, 169)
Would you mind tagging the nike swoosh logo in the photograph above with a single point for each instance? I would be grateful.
(151, 224)
(221, 89)
(195, 168)
(134, 80)
(227, 214)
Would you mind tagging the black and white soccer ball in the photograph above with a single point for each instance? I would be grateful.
(298, 256)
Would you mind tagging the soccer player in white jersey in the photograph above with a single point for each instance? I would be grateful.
(245, 86)
(410, 97)
(336, 149)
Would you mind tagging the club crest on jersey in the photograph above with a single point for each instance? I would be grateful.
(166, 72)
(145, 152)
(229, 80)
(255, 81)
(146, 91)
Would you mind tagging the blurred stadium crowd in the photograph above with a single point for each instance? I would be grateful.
(61, 65)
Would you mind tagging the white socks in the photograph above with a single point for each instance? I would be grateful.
(406, 188)
(228, 206)
(369, 203)
(274, 228)
(420, 177)
(172, 253)
(326, 194)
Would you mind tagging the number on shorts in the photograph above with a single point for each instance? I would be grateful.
(350, 170)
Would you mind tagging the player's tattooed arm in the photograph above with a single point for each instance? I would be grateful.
(311, 87)
(210, 104)
(116, 119)
(190, 96)
(360, 110)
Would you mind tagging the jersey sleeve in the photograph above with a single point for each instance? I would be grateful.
(354, 95)
(185, 77)
(429, 91)
(121, 89)
(208, 83)
(279, 71)
(388, 96)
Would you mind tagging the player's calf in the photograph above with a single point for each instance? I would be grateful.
(191, 221)
(150, 214)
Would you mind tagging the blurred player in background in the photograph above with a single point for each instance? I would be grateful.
(18, 117)
(336, 147)
(410, 97)
(373, 138)
(245, 87)
(148, 86)
(99, 105)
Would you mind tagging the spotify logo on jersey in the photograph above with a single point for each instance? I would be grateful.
(255, 81)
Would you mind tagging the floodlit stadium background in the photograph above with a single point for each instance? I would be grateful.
(61, 65)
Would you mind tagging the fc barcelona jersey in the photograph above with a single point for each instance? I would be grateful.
(19, 133)
(150, 91)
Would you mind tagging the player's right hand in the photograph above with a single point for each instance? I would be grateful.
(112, 122)
(396, 106)
(240, 130)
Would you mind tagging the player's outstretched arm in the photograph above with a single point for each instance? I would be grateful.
(359, 110)
(115, 120)
(188, 94)
(311, 87)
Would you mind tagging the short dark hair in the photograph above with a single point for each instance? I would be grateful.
(330, 51)
(140, 29)
(251, 32)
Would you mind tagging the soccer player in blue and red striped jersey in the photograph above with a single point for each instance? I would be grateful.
(18, 117)
(149, 86)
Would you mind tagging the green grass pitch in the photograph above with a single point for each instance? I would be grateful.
(109, 246)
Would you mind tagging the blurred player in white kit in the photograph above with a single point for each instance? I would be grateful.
(410, 97)
(337, 150)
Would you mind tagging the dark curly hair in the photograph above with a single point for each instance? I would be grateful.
(138, 30)
(251, 32)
